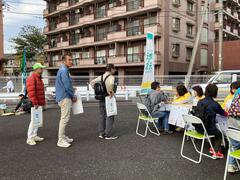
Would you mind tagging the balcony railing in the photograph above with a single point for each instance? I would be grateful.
(100, 13)
(73, 2)
(136, 30)
(52, 8)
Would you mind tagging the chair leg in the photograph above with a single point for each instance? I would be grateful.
(137, 129)
(155, 126)
(225, 172)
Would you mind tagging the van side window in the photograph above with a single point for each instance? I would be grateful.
(224, 78)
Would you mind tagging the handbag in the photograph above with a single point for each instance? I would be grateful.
(37, 116)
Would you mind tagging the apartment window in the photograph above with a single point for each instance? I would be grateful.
(86, 55)
(176, 3)
(134, 4)
(189, 30)
(134, 28)
(101, 57)
(190, 6)
(115, 27)
(152, 20)
(204, 57)
(101, 34)
(101, 12)
(114, 3)
(204, 35)
(111, 51)
(55, 60)
(75, 58)
(205, 14)
(189, 53)
(176, 24)
(133, 54)
(176, 50)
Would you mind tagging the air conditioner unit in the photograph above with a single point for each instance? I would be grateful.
(77, 31)
(77, 11)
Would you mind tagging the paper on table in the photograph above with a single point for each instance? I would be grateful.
(77, 107)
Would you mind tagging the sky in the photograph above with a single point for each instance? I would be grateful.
(12, 22)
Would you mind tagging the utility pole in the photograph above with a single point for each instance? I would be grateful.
(1, 35)
(220, 36)
(195, 47)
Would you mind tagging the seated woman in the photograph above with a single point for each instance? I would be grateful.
(153, 102)
(234, 122)
(211, 108)
(197, 94)
(182, 95)
(228, 100)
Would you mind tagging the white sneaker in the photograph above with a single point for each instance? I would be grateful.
(63, 143)
(38, 139)
(232, 169)
(31, 142)
(69, 140)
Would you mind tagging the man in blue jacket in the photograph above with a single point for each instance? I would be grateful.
(65, 97)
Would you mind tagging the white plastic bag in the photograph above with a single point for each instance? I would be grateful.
(77, 107)
(37, 116)
(111, 106)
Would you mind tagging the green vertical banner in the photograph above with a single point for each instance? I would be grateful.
(148, 74)
(23, 67)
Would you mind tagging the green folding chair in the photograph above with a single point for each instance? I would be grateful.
(235, 135)
(193, 134)
(144, 115)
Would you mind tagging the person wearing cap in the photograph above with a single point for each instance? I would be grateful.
(35, 90)
(64, 97)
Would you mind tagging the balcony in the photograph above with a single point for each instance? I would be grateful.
(62, 6)
(84, 62)
(74, 41)
(152, 3)
(235, 31)
(45, 29)
(63, 44)
(134, 31)
(154, 28)
(87, 40)
(46, 47)
(86, 19)
(62, 25)
(117, 10)
(116, 35)
(218, 6)
(117, 59)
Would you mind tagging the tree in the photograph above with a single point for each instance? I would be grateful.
(31, 38)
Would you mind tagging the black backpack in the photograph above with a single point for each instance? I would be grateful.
(100, 89)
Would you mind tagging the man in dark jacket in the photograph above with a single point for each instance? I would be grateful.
(24, 104)
(35, 89)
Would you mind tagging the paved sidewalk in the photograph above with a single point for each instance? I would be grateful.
(128, 158)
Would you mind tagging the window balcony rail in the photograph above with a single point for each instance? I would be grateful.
(134, 4)
(100, 60)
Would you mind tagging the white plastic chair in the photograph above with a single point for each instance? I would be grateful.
(145, 116)
(193, 134)
(235, 135)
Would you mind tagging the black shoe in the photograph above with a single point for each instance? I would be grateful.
(167, 132)
(111, 137)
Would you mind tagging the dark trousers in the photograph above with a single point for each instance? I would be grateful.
(105, 125)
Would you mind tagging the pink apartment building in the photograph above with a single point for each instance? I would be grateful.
(97, 32)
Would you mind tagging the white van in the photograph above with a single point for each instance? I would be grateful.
(223, 79)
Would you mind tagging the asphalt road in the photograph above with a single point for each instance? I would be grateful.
(89, 158)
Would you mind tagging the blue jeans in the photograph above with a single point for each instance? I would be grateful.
(235, 146)
(162, 119)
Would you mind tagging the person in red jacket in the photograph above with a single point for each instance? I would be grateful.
(35, 90)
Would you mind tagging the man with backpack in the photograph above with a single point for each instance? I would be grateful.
(104, 86)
